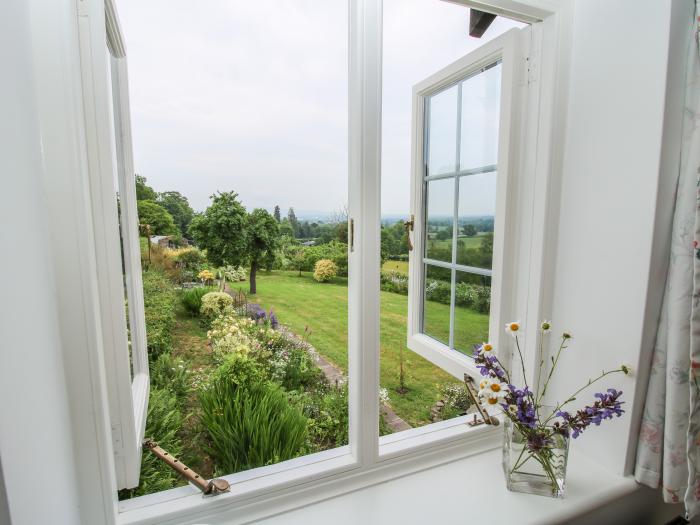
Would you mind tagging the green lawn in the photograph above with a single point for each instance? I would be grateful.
(301, 303)
(396, 266)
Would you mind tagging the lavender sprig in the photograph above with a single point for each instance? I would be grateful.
(606, 407)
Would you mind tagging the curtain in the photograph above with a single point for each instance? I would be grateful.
(667, 452)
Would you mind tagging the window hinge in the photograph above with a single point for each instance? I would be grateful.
(82, 8)
(486, 419)
(210, 487)
(117, 440)
(409, 228)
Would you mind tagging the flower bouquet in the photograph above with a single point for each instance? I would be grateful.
(536, 443)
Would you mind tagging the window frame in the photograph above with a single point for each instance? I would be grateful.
(110, 158)
(367, 460)
(509, 49)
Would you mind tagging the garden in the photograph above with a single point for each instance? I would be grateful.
(247, 344)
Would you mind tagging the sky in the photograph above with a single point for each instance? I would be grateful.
(252, 96)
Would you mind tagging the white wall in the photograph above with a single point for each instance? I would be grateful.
(35, 433)
(610, 262)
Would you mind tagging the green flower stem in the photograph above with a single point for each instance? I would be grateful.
(540, 395)
(522, 366)
(573, 396)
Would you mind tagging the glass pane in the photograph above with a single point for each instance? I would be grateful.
(481, 95)
(472, 305)
(442, 132)
(436, 306)
(440, 218)
(477, 208)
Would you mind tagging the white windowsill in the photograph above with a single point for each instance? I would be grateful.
(470, 490)
(265, 491)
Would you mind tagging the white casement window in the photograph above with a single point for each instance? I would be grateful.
(476, 153)
(117, 251)
(468, 120)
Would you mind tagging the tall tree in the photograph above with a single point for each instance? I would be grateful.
(263, 240)
(291, 216)
(469, 230)
(143, 191)
(278, 216)
(157, 217)
(178, 206)
(222, 229)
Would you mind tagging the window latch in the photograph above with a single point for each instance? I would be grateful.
(486, 419)
(209, 487)
(409, 228)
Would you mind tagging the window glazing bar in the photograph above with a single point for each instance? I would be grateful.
(462, 173)
(460, 267)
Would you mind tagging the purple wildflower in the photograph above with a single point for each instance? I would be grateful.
(605, 407)
(525, 411)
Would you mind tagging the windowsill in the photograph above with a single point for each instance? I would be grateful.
(470, 490)
(265, 491)
(414, 482)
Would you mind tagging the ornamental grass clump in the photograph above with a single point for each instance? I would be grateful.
(325, 270)
(192, 299)
(536, 434)
(248, 419)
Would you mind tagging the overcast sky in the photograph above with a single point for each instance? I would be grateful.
(252, 96)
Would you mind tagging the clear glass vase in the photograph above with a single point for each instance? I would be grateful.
(534, 460)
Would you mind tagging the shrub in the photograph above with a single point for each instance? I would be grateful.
(169, 373)
(249, 422)
(258, 314)
(188, 257)
(159, 305)
(293, 367)
(206, 276)
(163, 422)
(327, 410)
(215, 304)
(231, 334)
(325, 270)
(192, 299)
(234, 273)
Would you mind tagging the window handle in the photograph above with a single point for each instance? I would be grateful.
(208, 487)
(409, 228)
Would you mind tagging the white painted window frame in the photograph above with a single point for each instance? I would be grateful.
(519, 89)
(367, 460)
(109, 146)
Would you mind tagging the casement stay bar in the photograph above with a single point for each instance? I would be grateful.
(209, 487)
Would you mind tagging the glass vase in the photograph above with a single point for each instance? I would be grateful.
(534, 460)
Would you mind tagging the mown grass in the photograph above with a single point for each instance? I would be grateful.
(301, 303)
(396, 266)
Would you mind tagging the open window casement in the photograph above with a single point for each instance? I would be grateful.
(468, 120)
(115, 222)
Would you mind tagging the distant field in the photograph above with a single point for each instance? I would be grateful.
(301, 303)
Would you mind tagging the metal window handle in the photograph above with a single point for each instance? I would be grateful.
(209, 487)
(409, 228)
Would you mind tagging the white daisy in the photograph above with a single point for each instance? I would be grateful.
(513, 328)
(546, 326)
(487, 349)
(492, 391)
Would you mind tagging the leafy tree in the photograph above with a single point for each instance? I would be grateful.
(263, 240)
(178, 206)
(294, 223)
(157, 217)
(286, 228)
(221, 230)
(469, 230)
(277, 215)
(443, 235)
(143, 191)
